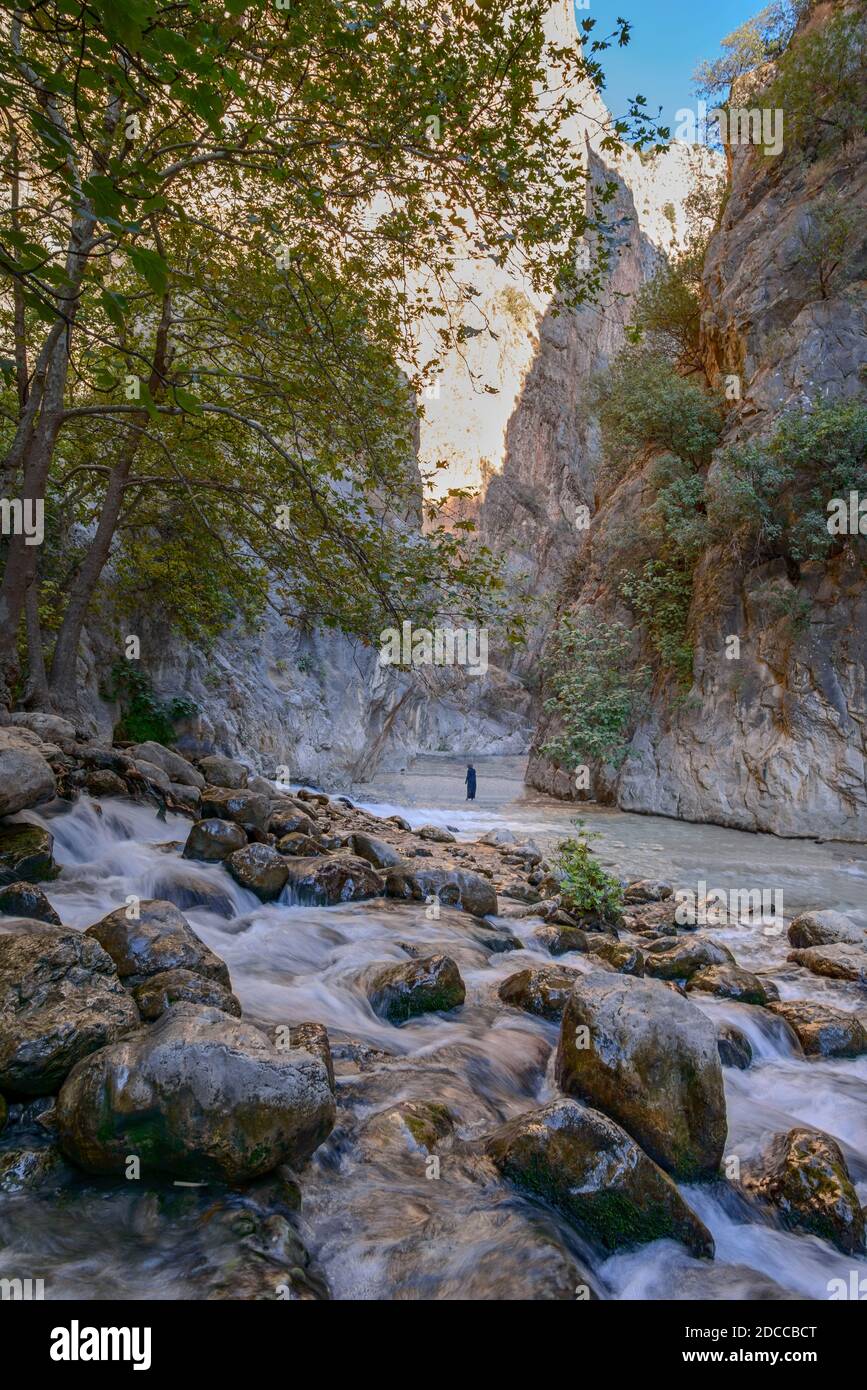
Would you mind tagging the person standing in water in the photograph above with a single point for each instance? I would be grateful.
(470, 780)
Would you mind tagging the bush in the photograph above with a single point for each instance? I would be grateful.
(819, 84)
(828, 242)
(594, 691)
(660, 595)
(760, 39)
(585, 886)
(143, 717)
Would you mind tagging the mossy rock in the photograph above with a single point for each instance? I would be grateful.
(26, 854)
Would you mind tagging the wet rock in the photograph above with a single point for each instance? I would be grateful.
(313, 1037)
(453, 886)
(26, 854)
(836, 962)
(825, 929)
(647, 890)
(26, 900)
(319, 798)
(157, 993)
(176, 768)
(196, 1095)
(376, 852)
(160, 939)
(303, 845)
(558, 940)
(190, 797)
(648, 1058)
(152, 773)
(29, 926)
(260, 785)
(497, 940)
(414, 1126)
(520, 892)
(730, 982)
(223, 772)
(542, 990)
(60, 998)
(192, 891)
(734, 1047)
(339, 879)
(400, 822)
(242, 807)
(803, 1175)
(437, 834)
(260, 869)
(213, 840)
(822, 1031)
(627, 959)
(25, 779)
(30, 1165)
(680, 960)
(430, 985)
(3, 1113)
(590, 1169)
(101, 781)
(291, 823)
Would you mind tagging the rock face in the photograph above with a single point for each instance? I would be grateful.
(454, 887)
(160, 939)
(196, 1095)
(422, 986)
(60, 999)
(602, 1182)
(648, 1058)
(823, 1031)
(25, 779)
(803, 1175)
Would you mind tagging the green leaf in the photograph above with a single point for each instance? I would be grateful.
(151, 266)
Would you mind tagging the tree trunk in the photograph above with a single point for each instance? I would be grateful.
(36, 694)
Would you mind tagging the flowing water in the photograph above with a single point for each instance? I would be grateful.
(377, 1218)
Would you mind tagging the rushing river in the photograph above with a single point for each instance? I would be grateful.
(375, 1219)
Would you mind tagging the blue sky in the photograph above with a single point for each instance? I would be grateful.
(669, 38)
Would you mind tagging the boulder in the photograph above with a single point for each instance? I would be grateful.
(560, 939)
(51, 728)
(521, 892)
(376, 852)
(260, 869)
(25, 780)
(197, 1095)
(424, 986)
(160, 939)
(647, 890)
(680, 960)
(822, 1031)
(590, 1169)
(158, 992)
(313, 1037)
(333, 879)
(101, 781)
(840, 961)
(542, 990)
(223, 772)
(27, 900)
(803, 1175)
(304, 845)
(190, 797)
(648, 1058)
(60, 999)
(730, 982)
(627, 959)
(242, 807)
(453, 886)
(29, 926)
(213, 840)
(176, 768)
(291, 823)
(735, 1049)
(26, 854)
(153, 773)
(437, 834)
(824, 929)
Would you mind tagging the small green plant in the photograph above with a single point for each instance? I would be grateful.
(593, 691)
(585, 887)
(828, 243)
(144, 717)
(660, 595)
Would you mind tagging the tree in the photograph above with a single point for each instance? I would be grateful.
(760, 40)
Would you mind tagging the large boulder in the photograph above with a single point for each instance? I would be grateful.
(821, 1030)
(730, 982)
(541, 989)
(260, 869)
(429, 985)
(648, 1058)
(60, 999)
(25, 779)
(27, 900)
(153, 773)
(223, 772)
(26, 854)
(158, 992)
(51, 728)
(242, 807)
(840, 961)
(824, 929)
(159, 939)
(197, 1096)
(176, 768)
(590, 1169)
(453, 886)
(213, 840)
(803, 1175)
(342, 878)
(680, 960)
(376, 852)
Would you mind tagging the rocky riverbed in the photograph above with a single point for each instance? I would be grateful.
(259, 1041)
